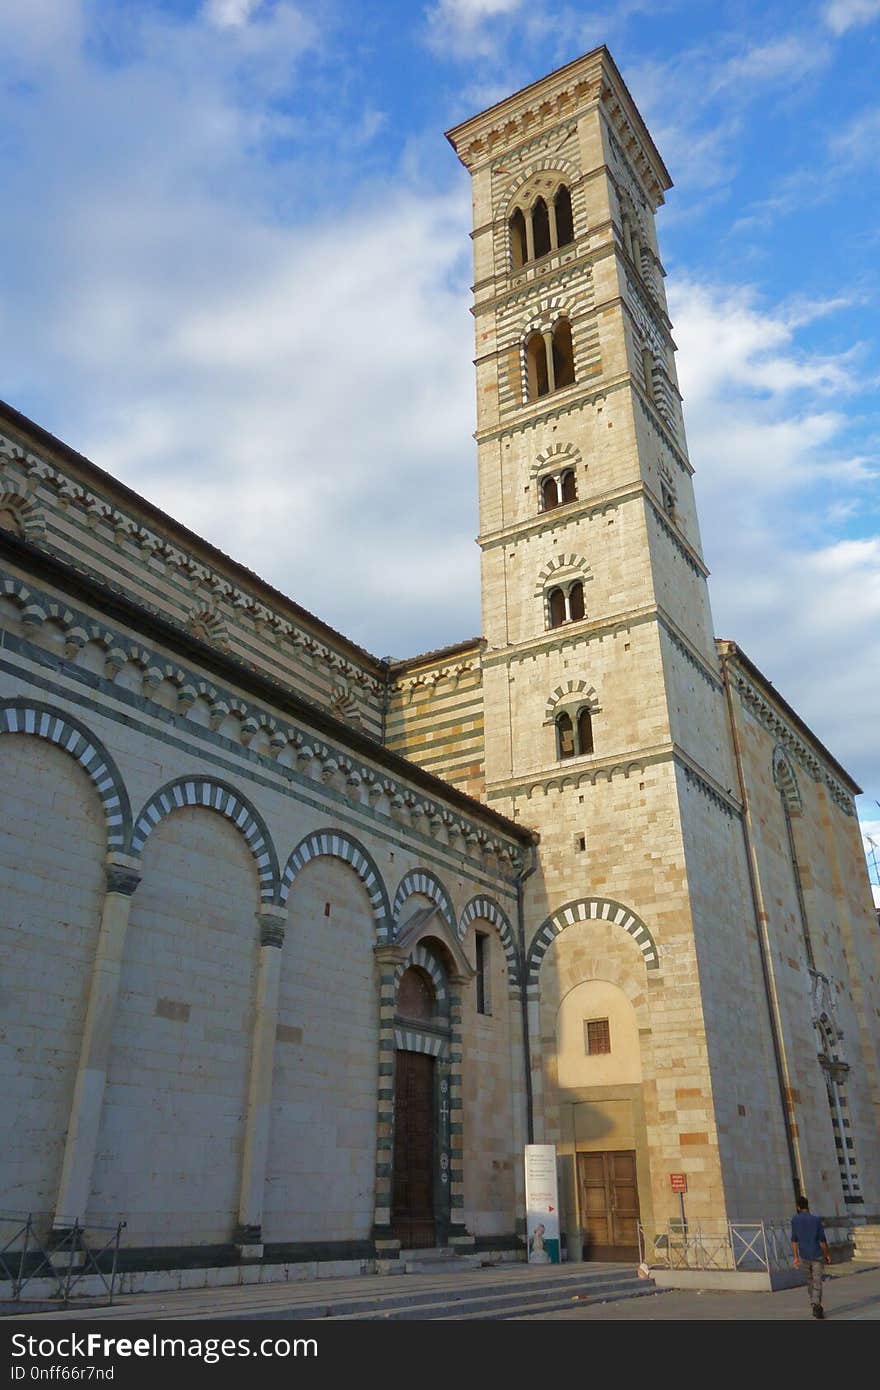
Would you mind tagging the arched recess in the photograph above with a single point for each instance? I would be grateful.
(424, 882)
(583, 910)
(53, 857)
(26, 513)
(32, 717)
(545, 176)
(214, 796)
(572, 694)
(786, 781)
(350, 851)
(488, 910)
(568, 566)
(429, 962)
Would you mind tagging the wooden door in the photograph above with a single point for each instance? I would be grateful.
(412, 1216)
(609, 1203)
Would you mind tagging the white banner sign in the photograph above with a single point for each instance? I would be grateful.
(542, 1205)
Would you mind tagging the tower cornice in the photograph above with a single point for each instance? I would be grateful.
(588, 81)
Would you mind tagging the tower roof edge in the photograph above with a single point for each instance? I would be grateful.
(480, 136)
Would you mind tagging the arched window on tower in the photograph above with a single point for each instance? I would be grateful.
(541, 228)
(585, 731)
(536, 364)
(569, 486)
(556, 607)
(518, 251)
(564, 736)
(564, 219)
(576, 601)
(563, 355)
(549, 494)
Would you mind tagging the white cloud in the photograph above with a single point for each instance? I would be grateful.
(788, 57)
(302, 394)
(463, 28)
(803, 602)
(857, 142)
(230, 14)
(842, 15)
(299, 393)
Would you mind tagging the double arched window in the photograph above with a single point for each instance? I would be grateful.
(565, 604)
(549, 360)
(541, 227)
(574, 735)
(557, 489)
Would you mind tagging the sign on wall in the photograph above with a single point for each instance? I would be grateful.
(542, 1204)
(678, 1182)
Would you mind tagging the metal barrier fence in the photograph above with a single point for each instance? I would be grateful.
(742, 1245)
(32, 1248)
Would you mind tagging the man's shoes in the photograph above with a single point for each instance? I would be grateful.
(818, 1310)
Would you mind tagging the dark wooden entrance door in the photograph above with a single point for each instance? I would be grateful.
(609, 1202)
(412, 1216)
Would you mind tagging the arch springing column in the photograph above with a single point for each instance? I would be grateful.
(584, 910)
(213, 795)
(23, 716)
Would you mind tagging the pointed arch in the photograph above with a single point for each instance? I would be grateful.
(22, 716)
(218, 796)
(487, 910)
(340, 845)
(425, 882)
(585, 910)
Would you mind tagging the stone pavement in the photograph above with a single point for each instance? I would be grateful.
(852, 1291)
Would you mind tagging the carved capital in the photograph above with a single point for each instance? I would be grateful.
(121, 879)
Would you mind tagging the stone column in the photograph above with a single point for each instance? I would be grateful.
(551, 216)
(123, 877)
(551, 371)
(458, 1232)
(249, 1235)
(530, 238)
(388, 958)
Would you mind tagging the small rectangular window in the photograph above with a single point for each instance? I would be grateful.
(597, 1036)
(482, 980)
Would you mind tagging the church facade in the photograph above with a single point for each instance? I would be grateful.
(300, 947)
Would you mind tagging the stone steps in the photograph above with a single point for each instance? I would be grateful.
(507, 1296)
(867, 1243)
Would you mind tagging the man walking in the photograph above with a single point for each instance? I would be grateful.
(810, 1248)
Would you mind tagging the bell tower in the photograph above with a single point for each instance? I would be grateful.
(605, 721)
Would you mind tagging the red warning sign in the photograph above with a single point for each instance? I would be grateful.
(678, 1182)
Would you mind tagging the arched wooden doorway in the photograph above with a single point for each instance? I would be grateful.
(420, 1207)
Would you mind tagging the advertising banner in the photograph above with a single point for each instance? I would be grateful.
(542, 1205)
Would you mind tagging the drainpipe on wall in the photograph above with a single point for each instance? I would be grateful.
(524, 1003)
(385, 663)
(760, 928)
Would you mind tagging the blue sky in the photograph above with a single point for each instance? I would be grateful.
(237, 270)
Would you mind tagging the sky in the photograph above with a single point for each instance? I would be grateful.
(236, 274)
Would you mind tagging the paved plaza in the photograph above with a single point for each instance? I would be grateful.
(851, 1291)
